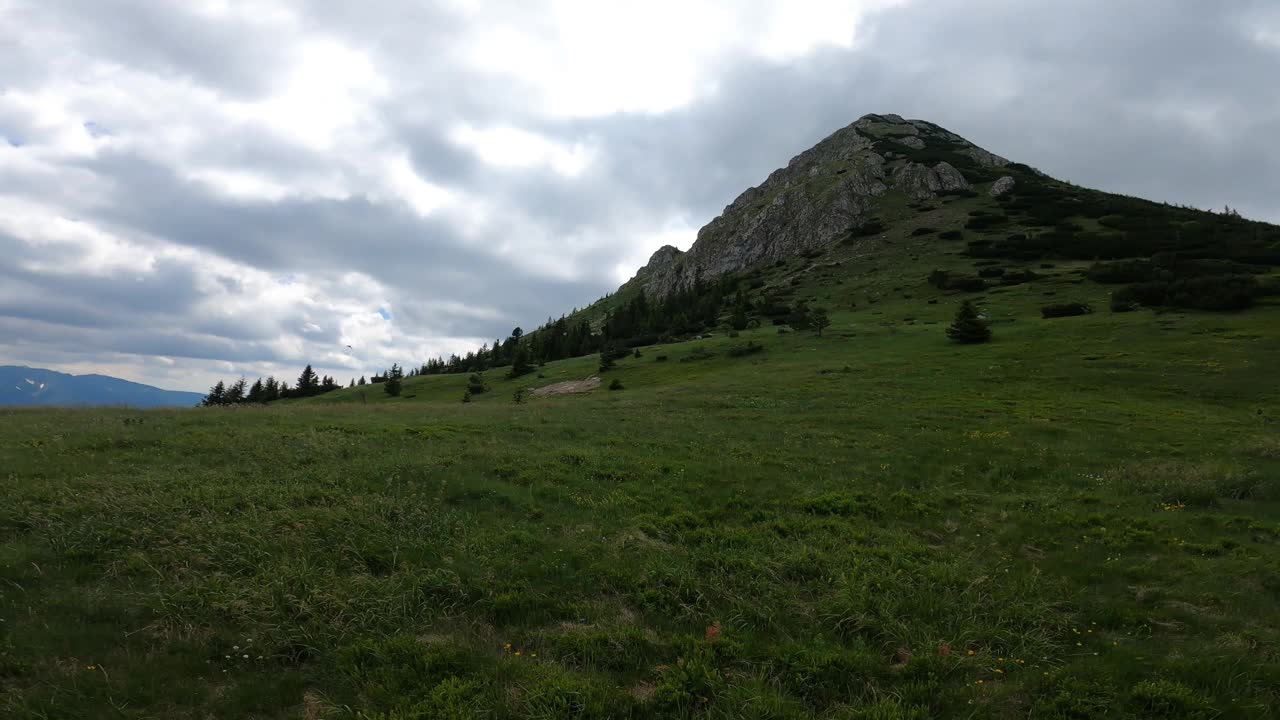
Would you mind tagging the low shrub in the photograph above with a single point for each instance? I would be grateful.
(1018, 277)
(750, 348)
(1070, 309)
(951, 235)
(616, 384)
(923, 231)
(698, 353)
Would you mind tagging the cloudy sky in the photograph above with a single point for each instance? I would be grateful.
(209, 188)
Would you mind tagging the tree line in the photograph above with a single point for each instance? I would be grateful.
(640, 320)
(241, 392)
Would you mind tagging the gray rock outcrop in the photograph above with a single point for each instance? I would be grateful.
(920, 182)
(1001, 186)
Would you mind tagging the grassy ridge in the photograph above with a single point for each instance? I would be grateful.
(1078, 520)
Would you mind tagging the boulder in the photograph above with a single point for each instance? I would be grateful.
(1001, 186)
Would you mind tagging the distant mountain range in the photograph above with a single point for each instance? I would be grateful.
(34, 386)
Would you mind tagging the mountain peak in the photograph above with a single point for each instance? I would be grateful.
(825, 194)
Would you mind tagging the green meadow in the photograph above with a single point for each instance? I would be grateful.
(1080, 519)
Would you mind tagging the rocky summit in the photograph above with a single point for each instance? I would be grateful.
(828, 193)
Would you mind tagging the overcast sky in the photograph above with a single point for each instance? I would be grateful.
(209, 188)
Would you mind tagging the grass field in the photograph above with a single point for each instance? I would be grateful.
(1078, 520)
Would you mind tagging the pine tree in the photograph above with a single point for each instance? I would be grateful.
(352, 383)
(362, 381)
(394, 381)
(819, 320)
(257, 393)
(235, 393)
(969, 327)
(520, 361)
(308, 383)
(328, 384)
(216, 395)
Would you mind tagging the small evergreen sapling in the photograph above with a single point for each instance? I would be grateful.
(969, 327)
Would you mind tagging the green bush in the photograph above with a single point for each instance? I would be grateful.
(1070, 309)
(740, 349)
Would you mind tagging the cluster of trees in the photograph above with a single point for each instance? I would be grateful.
(638, 321)
(265, 391)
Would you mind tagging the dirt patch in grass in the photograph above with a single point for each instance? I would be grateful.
(571, 387)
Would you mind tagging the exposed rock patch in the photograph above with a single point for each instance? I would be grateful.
(984, 158)
(920, 182)
(569, 387)
(1001, 186)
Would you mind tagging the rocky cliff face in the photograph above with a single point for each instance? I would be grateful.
(822, 195)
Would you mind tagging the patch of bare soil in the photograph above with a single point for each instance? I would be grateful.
(568, 388)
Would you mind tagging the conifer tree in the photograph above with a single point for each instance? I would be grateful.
(969, 327)
(235, 393)
(520, 361)
(308, 382)
(216, 395)
(362, 381)
(257, 393)
(606, 359)
(393, 384)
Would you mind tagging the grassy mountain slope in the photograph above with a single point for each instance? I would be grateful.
(1079, 519)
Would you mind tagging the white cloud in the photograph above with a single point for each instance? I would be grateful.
(516, 148)
(586, 58)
